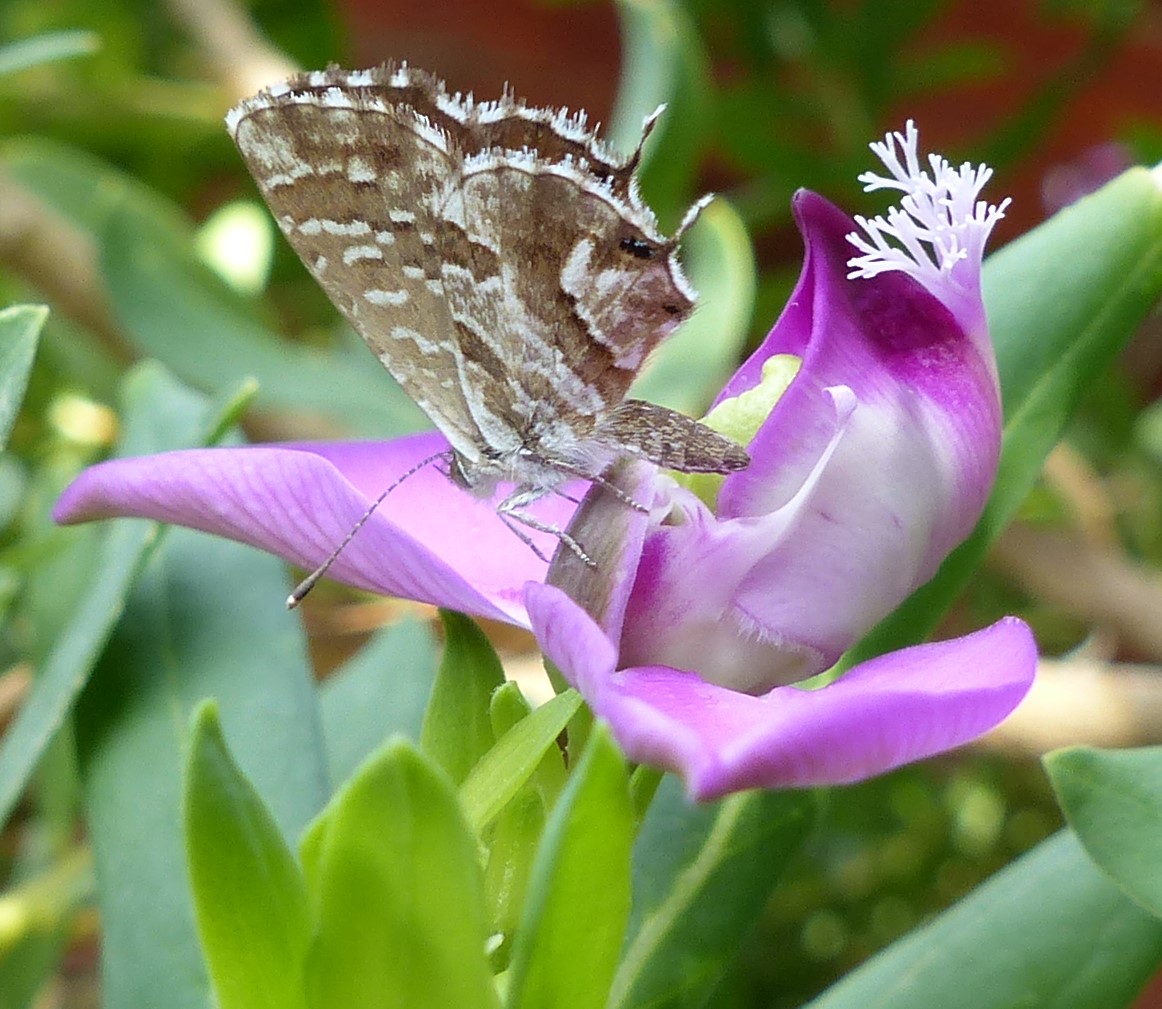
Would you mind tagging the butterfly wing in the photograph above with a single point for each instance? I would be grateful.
(350, 178)
(496, 257)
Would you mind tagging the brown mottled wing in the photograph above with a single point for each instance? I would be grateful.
(350, 180)
(670, 439)
(496, 257)
(574, 299)
(585, 288)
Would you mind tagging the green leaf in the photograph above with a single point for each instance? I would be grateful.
(20, 328)
(1113, 801)
(1062, 301)
(393, 876)
(691, 367)
(511, 762)
(512, 849)
(249, 896)
(159, 415)
(378, 693)
(566, 946)
(702, 875)
(457, 731)
(205, 619)
(50, 47)
(509, 706)
(1048, 931)
(512, 842)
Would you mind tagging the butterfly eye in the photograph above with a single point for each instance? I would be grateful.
(637, 247)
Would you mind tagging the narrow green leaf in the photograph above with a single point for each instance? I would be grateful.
(393, 876)
(1049, 931)
(20, 328)
(159, 414)
(457, 731)
(1113, 801)
(702, 875)
(204, 618)
(512, 842)
(174, 308)
(510, 763)
(509, 706)
(1062, 301)
(512, 849)
(50, 47)
(249, 896)
(566, 946)
(378, 693)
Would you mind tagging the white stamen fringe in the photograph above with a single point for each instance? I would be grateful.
(939, 222)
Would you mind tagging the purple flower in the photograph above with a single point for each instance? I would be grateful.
(873, 464)
(872, 417)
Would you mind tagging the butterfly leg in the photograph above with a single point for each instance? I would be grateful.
(511, 511)
(599, 479)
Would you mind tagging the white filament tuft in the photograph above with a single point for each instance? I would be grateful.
(940, 220)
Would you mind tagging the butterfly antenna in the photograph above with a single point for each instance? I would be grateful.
(692, 215)
(308, 583)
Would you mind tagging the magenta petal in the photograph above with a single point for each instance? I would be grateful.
(429, 540)
(922, 450)
(873, 465)
(887, 712)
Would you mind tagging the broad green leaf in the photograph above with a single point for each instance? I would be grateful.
(511, 762)
(159, 415)
(457, 731)
(1113, 801)
(1062, 301)
(20, 328)
(250, 900)
(1049, 931)
(702, 874)
(205, 619)
(566, 946)
(693, 365)
(396, 888)
(378, 693)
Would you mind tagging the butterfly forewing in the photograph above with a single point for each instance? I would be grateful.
(347, 186)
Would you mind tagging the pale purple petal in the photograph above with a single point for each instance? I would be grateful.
(875, 463)
(887, 712)
(429, 540)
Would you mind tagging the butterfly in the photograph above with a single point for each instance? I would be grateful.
(498, 260)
